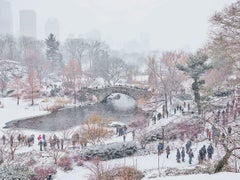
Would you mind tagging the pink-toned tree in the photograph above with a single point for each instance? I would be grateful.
(32, 87)
(72, 78)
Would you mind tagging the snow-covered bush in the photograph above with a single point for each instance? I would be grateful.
(99, 171)
(42, 172)
(110, 151)
(129, 173)
(78, 160)
(65, 163)
(16, 171)
(94, 130)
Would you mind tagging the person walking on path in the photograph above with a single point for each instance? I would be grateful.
(210, 151)
(188, 145)
(160, 148)
(40, 143)
(190, 155)
(204, 152)
(168, 151)
(183, 154)
(178, 156)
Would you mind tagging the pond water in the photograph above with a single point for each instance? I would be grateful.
(113, 109)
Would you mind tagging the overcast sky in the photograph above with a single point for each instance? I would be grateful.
(168, 24)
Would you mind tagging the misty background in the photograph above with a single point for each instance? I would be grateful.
(133, 24)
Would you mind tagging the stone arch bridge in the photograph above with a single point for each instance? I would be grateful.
(102, 93)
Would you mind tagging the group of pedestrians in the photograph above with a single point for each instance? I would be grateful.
(203, 153)
(187, 151)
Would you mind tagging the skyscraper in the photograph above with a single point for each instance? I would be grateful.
(28, 23)
(6, 19)
(52, 27)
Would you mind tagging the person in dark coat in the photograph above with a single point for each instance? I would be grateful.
(210, 151)
(49, 177)
(40, 144)
(154, 119)
(4, 139)
(204, 152)
(11, 140)
(58, 143)
(159, 115)
(19, 138)
(160, 148)
(188, 145)
(229, 130)
(201, 156)
(190, 155)
(168, 151)
(183, 154)
(178, 156)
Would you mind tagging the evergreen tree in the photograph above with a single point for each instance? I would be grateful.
(52, 53)
(195, 68)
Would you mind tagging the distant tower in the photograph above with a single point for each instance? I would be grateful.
(28, 24)
(6, 19)
(52, 27)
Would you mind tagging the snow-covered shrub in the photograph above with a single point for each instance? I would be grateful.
(65, 163)
(129, 173)
(42, 172)
(110, 151)
(78, 160)
(94, 130)
(16, 171)
(99, 171)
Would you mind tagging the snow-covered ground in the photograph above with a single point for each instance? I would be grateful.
(12, 111)
(147, 163)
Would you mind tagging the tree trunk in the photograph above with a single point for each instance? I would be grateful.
(170, 97)
(166, 102)
(223, 162)
(12, 155)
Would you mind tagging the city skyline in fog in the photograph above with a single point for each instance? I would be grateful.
(156, 24)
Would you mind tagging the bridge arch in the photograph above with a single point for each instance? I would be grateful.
(103, 93)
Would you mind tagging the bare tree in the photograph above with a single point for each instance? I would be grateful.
(12, 144)
(75, 49)
(170, 76)
(111, 69)
(72, 78)
(96, 50)
(4, 78)
(165, 76)
(225, 38)
(18, 87)
(8, 47)
(32, 86)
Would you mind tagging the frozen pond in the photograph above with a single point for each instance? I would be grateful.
(117, 108)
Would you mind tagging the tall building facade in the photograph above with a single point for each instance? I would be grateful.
(52, 27)
(28, 23)
(6, 18)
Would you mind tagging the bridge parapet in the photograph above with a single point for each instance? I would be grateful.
(103, 92)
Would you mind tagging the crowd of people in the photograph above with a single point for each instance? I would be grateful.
(187, 150)
(24, 140)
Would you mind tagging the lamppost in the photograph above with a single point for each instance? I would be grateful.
(163, 134)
